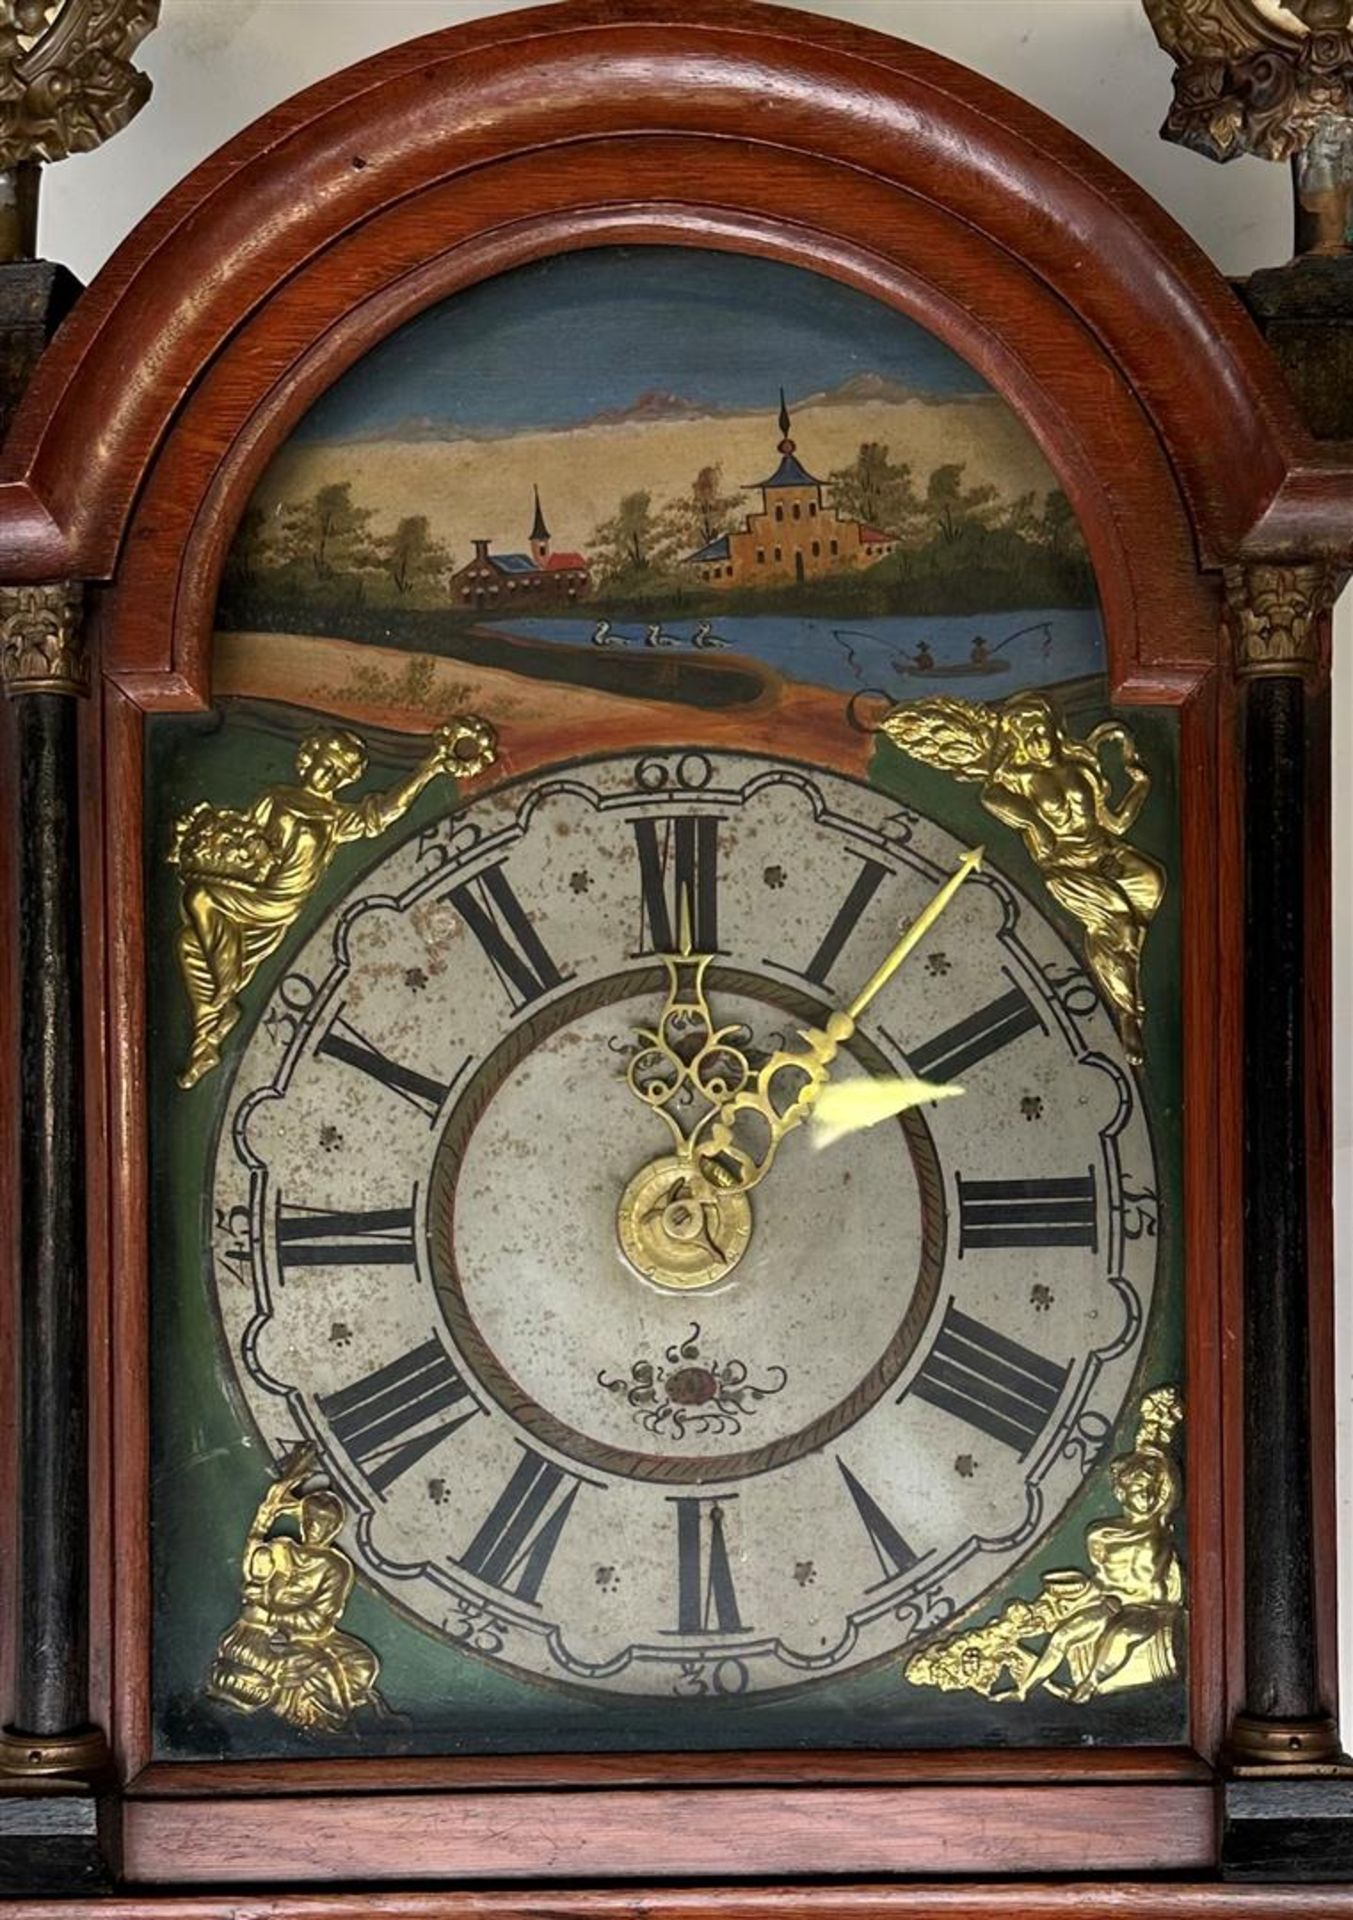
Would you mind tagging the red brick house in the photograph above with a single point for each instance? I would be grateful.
(539, 578)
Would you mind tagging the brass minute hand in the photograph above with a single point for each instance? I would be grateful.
(736, 1147)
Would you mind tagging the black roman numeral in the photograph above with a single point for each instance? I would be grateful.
(867, 883)
(961, 1046)
(387, 1422)
(894, 1555)
(1027, 1213)
(343, 1043)
(497, 919)
(989, 1381)
(706, 1599)
(679, 860)
(514, 1547)
(315, 1237)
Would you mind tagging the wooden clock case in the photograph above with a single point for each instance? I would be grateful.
(237, 302)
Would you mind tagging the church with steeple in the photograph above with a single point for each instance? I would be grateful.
(795, 536)
(540, 578)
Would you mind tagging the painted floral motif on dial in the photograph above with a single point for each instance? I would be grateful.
(687, 1393)
(919, 1351)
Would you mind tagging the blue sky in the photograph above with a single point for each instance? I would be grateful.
(550, 345)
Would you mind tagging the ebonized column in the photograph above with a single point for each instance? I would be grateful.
(1279, 1820)
(51, 1694)
(50, 1755)
(1281, 1684)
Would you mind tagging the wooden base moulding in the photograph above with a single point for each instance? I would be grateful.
(1158, 1899)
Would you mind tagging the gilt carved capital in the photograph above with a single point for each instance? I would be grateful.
(42, 648)
(1266, 77)
(1277, 617)
(67, 82)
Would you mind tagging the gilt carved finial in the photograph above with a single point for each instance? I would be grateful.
(67, 82)
(1273, 78)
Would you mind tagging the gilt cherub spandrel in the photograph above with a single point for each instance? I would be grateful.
(247, 874)
(1058, 795)
(285, 1652)
(1114, 1627)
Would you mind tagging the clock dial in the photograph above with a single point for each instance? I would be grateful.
(852, 1402)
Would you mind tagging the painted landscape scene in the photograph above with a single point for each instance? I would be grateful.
(655, 475)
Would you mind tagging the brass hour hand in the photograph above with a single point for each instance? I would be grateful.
(685, 1068)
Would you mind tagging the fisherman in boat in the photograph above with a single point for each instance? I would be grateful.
(705, 636)
(980, 651)
(924, 661)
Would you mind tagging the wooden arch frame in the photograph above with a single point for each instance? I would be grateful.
(309, 238)
(565, 89)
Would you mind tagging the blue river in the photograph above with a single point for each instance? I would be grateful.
(899, 657)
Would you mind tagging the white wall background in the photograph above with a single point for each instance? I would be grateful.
(218, 64)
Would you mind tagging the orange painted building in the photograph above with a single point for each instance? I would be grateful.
(795, 536)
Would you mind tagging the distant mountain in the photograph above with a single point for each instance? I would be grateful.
(653, 404)
(859, 390)
(656, 406)
(862, 388)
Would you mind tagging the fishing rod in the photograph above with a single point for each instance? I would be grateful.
(1039, 626)
(843, 635)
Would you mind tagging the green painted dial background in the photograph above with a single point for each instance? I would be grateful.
(209, 1471)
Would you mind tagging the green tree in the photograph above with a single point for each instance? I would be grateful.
(341, 540)
(1058, 529)
(623, 545)
(1021, 516)
(695, 517)
(410, 555)
(292, 536)
(714, 509)
(877, 490)
(953, 509)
